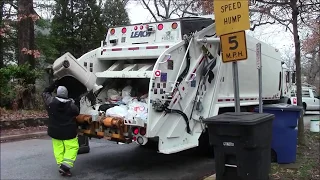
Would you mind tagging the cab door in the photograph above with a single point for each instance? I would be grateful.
(307, 99)
(315, 101)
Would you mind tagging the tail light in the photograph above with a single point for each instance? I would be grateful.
(143, 131)
(135, 28)
(141, 27)
(160, 27)
(174, 25)
(112, 31)
(124, 30)
(136, 131)
(294, 100)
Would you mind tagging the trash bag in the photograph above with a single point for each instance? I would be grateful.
(118, 111)
(127, 99)
(137, 109)
(126, 91)
(113, 95)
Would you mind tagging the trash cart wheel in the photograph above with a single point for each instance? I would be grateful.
(83, 144)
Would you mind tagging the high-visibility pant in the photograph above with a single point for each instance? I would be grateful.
(65, 151)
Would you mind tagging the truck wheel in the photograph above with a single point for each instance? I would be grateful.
(304, 108)
(83, 144)
(150, 145)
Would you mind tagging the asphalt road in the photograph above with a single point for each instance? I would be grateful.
(33, 159)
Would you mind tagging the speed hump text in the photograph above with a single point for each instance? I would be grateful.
(234, 47)
(231, 16)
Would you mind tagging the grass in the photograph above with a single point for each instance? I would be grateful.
(308, 160)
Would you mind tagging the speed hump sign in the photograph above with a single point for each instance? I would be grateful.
(234, 46)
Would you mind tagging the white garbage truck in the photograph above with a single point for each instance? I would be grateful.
(157, 82)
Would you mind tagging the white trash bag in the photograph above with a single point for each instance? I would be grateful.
(127, 99)
(118, 111)
(138, 110)
(126, 91)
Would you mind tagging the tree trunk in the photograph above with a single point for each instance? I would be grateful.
(295, 12)
(26, 46)
(26, 32)
(1, 38)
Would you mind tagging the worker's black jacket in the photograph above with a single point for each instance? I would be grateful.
(62, 113)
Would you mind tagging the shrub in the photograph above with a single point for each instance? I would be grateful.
(17, 85)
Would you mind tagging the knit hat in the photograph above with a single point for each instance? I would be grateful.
(62, 92)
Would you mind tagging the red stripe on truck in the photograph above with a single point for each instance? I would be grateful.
(244, 99)
(133, 48)
(152, 47)
(116, 49)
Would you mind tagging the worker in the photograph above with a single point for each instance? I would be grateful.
(62, 127)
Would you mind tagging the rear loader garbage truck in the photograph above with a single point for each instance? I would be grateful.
(156, 82)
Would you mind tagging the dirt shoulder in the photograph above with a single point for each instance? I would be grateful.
(308, 161)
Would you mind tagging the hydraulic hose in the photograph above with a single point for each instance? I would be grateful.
(186, 70)
(182, 114)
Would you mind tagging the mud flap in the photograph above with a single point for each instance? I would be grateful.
(83, 144)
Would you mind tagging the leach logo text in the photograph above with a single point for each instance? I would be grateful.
(140, 34)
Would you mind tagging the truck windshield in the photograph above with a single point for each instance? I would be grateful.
(315, 94)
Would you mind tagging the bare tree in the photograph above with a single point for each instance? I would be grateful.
(165, 9)
(311, 52)
(290, 14)
(288, 58)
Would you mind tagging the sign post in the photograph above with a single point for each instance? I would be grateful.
(232, 18)
(236, 86)
(259, 67)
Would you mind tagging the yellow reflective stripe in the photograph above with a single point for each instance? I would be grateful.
(68, 160)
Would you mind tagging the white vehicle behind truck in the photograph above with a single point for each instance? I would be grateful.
(310, 98)
(173, 72)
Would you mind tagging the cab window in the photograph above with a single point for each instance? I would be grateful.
(305, 93)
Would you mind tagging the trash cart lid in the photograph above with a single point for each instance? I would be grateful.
(282, 107)
(242, 118)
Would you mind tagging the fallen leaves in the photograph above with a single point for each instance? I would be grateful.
(21, 114)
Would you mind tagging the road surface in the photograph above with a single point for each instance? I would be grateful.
(33, 159)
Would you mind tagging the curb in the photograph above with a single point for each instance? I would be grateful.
(212, 177)
(23, 136)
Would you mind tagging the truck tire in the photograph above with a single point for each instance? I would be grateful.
(285, 100)
(84, 147)
(304, 107)
(151, 145)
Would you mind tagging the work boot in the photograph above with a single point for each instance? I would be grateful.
(65, 171)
